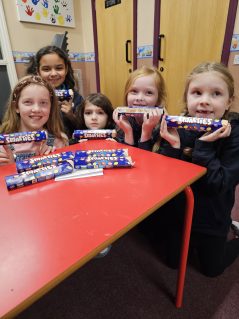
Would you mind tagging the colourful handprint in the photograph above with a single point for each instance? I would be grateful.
(61, 20)
(29, 10)
(68, 18)
(56, 9)
(53, 18)
(35, 2)
(45, 4)
(45, 12)
(38, 16)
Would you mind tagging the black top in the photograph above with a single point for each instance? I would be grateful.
(214, 193)
(137, 130)
(71, 124)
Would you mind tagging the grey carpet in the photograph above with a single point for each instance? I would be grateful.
(133, 282)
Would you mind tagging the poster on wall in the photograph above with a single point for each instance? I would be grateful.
(51, 12)
(235, 43)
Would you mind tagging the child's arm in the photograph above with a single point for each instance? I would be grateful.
(125, 126)
(219, 153)
(71, 110)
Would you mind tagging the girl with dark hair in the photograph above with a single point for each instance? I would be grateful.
(54, 66)
(96, 113)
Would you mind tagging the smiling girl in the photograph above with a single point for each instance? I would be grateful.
(32, 106)
(144, 87)
(54, 66)
(209, 93)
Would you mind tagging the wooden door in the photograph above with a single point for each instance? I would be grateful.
(193, 31)
(115, 37)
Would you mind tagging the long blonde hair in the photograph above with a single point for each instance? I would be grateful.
(11, 119)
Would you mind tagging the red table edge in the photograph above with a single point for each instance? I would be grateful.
(183, 258)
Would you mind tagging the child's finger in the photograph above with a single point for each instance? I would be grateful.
(110, 139)
(145, 117)
(48, 150)
(6, 155)
(163, 124)
(9, 152)
(222, 132)
(3, 153)
(83, 140)
(45, 149)
(226, 131)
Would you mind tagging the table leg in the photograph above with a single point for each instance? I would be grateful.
(185, 244)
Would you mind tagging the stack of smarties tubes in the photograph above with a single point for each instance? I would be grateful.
(43, 168)
(35, 170)
(30, 172)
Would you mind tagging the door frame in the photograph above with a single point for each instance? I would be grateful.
(7, 60)
(95, 35)
(231, 17)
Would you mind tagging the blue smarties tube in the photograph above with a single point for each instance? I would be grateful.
(23, 137)
(93, 134)
(194, 123)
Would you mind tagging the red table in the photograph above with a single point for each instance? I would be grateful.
(49, 230)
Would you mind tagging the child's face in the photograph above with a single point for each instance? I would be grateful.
(208, 96)
(52, 68)
(143, 92)
(95, 117)
(34, 107)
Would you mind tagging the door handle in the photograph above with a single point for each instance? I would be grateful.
(127, 51)
(159, 47)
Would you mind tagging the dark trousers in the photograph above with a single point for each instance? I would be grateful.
(214, 253)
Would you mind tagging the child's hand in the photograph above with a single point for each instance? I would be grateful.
(46, 149)
(169, 134)
(121, 121)
(6, 155)
(222, 132)
(125, 126)
(150, 120)
(66, 107)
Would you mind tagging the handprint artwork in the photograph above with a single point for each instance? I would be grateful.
(53, 12)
